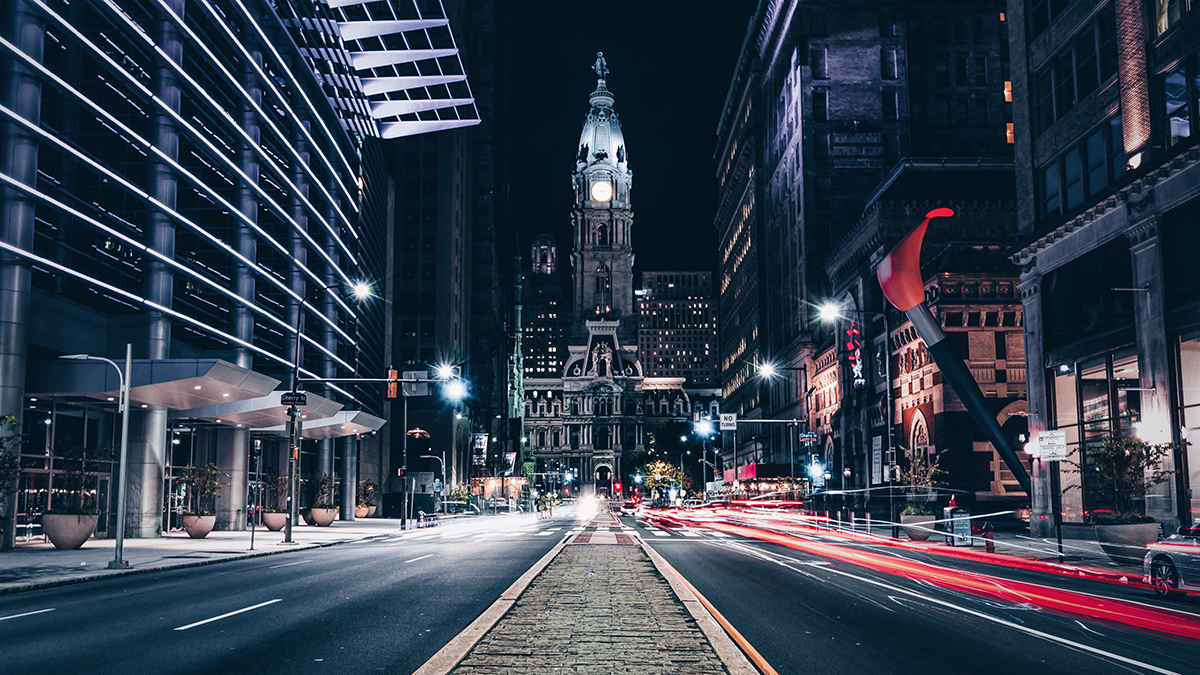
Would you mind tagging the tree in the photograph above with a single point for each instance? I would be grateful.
(659, 476)
(204, 487)
(1117, 471)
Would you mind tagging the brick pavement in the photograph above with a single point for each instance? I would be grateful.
(595, 609)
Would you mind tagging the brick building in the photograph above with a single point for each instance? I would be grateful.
(842, 123)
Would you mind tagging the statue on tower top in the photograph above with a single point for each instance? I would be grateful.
(601, 66)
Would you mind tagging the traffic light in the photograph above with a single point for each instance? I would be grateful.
(617, 487)
(393, 387)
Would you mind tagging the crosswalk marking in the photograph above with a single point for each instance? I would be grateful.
(660, 533)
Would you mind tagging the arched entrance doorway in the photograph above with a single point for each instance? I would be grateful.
(603, 480)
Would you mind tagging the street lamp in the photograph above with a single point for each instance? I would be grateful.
(118, 561)
(361, 290)
(830, 312)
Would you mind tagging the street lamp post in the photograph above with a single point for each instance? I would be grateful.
(361, 291)
(830, 312)
(118, 561)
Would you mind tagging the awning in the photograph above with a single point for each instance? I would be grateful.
(263, 411)
(157, 384)
(344, 423)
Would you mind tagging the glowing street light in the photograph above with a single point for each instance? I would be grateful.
(455, 390)
(767, 371)
(829, 312)
(444, 371)
(361, 290)
(704, 428)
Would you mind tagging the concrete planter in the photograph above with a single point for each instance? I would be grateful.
(361, 511)
(1126, 544)
(323, 517)
(306, 515)
(274, 521)
(918, 528)
(68, 532)
(198, 527)
(370, 510)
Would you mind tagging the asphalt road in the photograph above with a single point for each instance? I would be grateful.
(806, 613)
(384, 605)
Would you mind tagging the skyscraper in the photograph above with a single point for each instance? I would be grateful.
(677, 329)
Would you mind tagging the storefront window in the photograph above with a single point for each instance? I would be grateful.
(1094, 399)
(1189, 412)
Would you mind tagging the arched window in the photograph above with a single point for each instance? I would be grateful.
(603, 281)
(602, 235)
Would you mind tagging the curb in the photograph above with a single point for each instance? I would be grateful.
(113, 574)
(731, 647)
(447, 658)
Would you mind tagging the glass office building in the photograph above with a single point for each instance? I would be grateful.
(198, 179)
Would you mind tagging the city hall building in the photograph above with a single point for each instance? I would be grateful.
(597, 413)
(201, 180)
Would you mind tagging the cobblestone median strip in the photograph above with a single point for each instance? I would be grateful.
(598, 609)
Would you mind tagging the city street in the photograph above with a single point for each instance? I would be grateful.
(384, 605)
(805, 613)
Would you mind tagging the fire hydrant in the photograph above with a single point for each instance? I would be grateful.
(989, 535)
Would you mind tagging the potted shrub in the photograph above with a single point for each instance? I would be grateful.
(72, 516)
(918, 521)
(1118, 472)
(10, 469)
(323, 510)
(919, 478)
(204, 486)
(275, 516)
(366, 499)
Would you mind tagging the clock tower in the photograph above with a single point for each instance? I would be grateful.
(603, 249)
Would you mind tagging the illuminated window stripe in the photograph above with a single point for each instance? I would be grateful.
(155, 306)
(176, 215)
(279, 210)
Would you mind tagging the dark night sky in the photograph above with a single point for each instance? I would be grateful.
(670, 65)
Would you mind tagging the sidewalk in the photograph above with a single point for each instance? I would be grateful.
(599, 606)
(40, 565)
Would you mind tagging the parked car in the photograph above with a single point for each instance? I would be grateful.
(497, 503)
(1172, 566)
(629, 508)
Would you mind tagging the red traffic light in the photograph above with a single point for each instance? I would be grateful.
(617, 487)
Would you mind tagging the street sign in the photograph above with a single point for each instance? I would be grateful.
(437, 485)
(808, 437)
(293, 398)
(415, 388)
(728, 421)
(1052, 445)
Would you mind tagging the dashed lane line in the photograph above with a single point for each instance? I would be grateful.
(229, 614)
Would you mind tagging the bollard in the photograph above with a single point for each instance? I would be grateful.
(868, 523)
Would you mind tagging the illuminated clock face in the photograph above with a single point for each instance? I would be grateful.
(602, 191)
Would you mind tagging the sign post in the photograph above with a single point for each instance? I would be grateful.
(728, 422)
(1052, 447)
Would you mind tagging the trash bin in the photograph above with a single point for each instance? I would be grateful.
(958, 525)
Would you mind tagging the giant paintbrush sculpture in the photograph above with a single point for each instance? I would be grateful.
(900, 277)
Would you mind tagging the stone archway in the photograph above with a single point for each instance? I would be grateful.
(603, 480)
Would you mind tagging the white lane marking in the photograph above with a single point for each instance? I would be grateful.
(720, 534)
(287, 564)
(987, 617)
(17, 616)
(660, 533)
(229, 614)
(427, 555)
(428, 535)
(543, 534)
(458, 535)
(689, 533)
